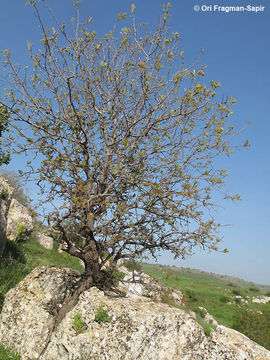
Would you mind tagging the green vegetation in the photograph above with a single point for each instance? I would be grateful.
(78, 324)
(19, 259)
(254, 324)
(102, 315)
(6, 354)
(218, 295)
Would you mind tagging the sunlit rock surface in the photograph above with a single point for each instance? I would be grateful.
(19, 222)
(139, 328)
(5, 200)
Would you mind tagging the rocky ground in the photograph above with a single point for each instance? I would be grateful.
(136, 325)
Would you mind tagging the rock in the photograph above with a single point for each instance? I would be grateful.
(261, 300)
(19, 222)
(62, 247)
(208, 317)
(45, 240)
(139, 328)
(27, 317)
(142, 284)
(5, 200)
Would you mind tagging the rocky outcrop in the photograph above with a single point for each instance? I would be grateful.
(139, 283)
(19, 222)
(45, 241)
(261, 299)
(27, 317)
(5, 200)
(139, 328)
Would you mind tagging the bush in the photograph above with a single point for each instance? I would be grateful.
(133, 265)
(254, 324)
(254, 289)
(191, 296)
(237, 292)
(102, 315)
(224, 299)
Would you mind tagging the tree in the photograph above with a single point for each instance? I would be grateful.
(4, 116)
(126, 135)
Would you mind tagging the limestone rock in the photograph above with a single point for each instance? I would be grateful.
(208, 317)
(45, 240)
(261, 299)
(5, 200)
(27, 316)
(19, 222)
(142, 284)
(139, 328)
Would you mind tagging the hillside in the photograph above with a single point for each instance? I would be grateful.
(229, 300)
(226, 298)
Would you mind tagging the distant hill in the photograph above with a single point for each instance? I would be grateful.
(200, 274)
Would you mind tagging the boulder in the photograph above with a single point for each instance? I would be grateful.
(5, 200)
(27, 318)
(45, 241)
(139, 283)
(139, 328)
(19, 222)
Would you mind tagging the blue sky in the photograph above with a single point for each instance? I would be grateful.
(237, 53)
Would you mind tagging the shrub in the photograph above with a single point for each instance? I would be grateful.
(224, 299)
(117, 276)
(133, 265)
(237, 292)
(254, 289)
(237, 301)
(102, 315)
(191, 296)
(254, 324)
(78, 323)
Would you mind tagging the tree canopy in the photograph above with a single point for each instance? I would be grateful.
(125, 135)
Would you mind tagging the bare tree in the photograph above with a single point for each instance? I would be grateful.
(126, 136)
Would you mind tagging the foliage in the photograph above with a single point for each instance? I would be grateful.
(6, 354)
(237, 292)
(19, 191)
(254, 324)
(225, 299)
(102, 315)
(133, 266)
(4, 117)
(117, 276)
(78, 323)
(127, 135)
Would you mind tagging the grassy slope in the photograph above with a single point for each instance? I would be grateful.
(209, 290)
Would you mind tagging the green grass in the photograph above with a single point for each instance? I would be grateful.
(6, 354)
(214, 292)
(20, 259)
